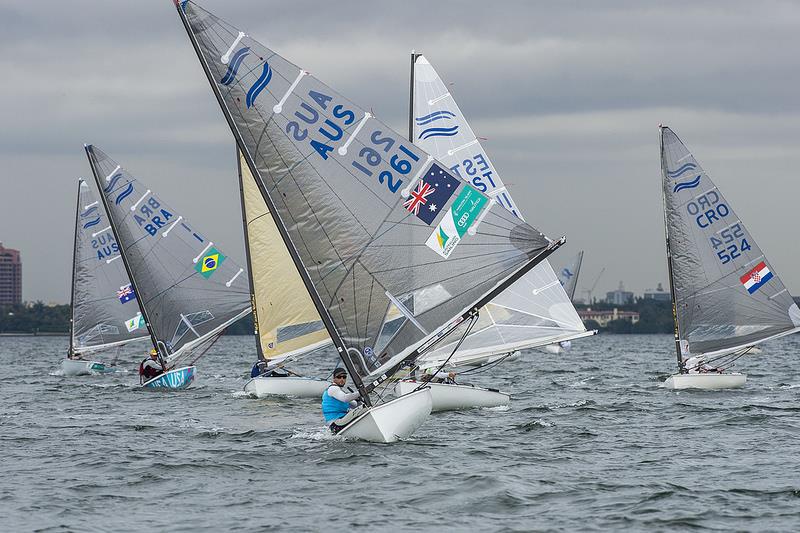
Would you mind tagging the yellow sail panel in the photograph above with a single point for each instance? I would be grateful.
(287, 323)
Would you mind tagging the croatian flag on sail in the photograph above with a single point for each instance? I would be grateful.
(431, 194)
(126, 294)
(757, 277)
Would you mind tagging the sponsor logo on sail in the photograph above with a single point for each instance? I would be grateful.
(126, 294)
(135, 323)
(756, 278)
(209, 263)
(463, 212)
(431, 194)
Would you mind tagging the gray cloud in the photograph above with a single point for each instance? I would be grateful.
(568, 94)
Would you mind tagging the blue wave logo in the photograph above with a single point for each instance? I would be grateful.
(687, 185)
(439, 132)
(124, 194)
(92, 223)
(234, 64)
(682, 170)
(113, 183)
(433, 117)
(259, 85)
(89, 211)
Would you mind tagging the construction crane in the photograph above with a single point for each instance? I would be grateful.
(589, 291)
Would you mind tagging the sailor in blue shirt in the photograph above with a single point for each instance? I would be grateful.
(338, 405)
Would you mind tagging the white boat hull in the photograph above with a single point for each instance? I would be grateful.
(391, 421)
(706, 381)
(453, 397)
(299, 387)
(79, 367)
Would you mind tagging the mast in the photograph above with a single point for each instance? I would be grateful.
(259, 351)
(341, 348)
(74, 261)
(122, 252)
(414, 57)
(669, 256)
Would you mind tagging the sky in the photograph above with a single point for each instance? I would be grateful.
(569, 96)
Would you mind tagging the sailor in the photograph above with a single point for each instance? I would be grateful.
(339, 406)
(150, 368)
(261, 368)
(440, 377)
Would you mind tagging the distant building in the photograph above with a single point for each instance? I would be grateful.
(603, 317)
(658, 294)
(10, 276)
(619, 296)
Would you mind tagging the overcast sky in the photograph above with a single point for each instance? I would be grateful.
(569, 96)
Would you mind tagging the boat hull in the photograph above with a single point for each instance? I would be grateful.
(391, 421)
(298, 387)
(176, 379)
(453, 397)
(79, 367)
(707, 381)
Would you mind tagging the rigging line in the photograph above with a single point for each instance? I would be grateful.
(472, 322)
(208, 346)
(487, 366)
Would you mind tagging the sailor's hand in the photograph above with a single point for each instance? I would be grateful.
(451, 375)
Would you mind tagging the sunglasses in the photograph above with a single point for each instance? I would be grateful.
(340, 377)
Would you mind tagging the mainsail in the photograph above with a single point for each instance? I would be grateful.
(332, 175)
(726, 295)
(188, 288)
(287, 323)
(568, 275)
(535, 311)
(105, 311)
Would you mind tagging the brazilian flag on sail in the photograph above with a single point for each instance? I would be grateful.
(210, 262)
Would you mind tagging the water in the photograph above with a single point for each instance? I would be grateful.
(590, 442)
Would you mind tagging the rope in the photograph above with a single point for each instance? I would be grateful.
(208, 346)
(472, 322)
(487, 366)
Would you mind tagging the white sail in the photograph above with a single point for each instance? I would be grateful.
(726, 294)
(535, 310)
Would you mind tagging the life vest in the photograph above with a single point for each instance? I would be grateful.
(332, 408)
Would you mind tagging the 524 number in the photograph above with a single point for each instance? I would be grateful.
(732, 243)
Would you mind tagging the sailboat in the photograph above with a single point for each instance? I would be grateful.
(568, 277)
(535, 311)
(331, 175)
(726, 296)
(287, 325)
(104, 311)
(188, 290)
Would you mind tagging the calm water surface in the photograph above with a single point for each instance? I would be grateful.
(590, 442)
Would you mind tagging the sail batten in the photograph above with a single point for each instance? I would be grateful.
(188, 288)
(334, 181)
(726, 294)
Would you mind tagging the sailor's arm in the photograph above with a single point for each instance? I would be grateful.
(342, 396)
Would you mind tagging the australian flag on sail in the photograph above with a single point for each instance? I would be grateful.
(431, 194)
(126, 294)
(757, 277)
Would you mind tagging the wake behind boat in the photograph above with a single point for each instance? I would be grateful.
(726, 298)
(188, 290)
(374, 257)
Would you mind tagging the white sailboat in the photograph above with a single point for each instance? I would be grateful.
(726, 297)
(287, 325)
(568, 277)
(104, 311)
(535, 311)
(331, 175)
(188, 290)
